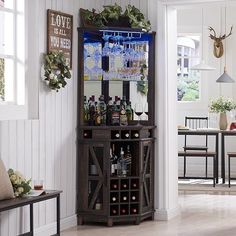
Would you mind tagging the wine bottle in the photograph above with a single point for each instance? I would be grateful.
(112, 163)
(123, 211)
(109, 111)
(133, 198)
(128, 159)
(114, 199)
(114, 186)
(114, 211)
(115, 134)
(115, 160)
(97, 115)
(123, 116)
(92, 110)
(129, 112)
(135, 134)
(115, 115)
(102, 109)
(86, 110)
(124, 198)
(134, 210)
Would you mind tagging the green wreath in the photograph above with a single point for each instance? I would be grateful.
(56, 70)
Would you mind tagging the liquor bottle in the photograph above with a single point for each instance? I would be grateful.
(123, 116)
(123, 101)
(115, 134)
(97, 116)
(109, 111)
(86, 110)
(115, 160)
(129, 112)
(118, 102)
(121, 164)
(115, 115)
(102, 108)
(112, 163)
(128, 159)
(92, 110)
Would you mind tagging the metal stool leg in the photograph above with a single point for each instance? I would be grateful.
(184, 166)
(206, 166)
(214, 171)
(229, 169)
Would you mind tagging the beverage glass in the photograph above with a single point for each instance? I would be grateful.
(38, 184)
(138, 109)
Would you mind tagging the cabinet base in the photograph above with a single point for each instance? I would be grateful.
(110, 221)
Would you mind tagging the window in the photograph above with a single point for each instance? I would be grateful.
(188, 81)
(12, 55)
(12, 52)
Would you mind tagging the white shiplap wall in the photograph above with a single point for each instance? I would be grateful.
(46, 148)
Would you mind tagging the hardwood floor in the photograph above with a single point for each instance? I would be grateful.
(202, 214)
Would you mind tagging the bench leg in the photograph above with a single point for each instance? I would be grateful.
(229, 170)
(31, 220)
(58, 215)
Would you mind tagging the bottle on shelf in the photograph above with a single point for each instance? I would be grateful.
(109, 111)
(114, 210)
(124, 210)
(134, 197)
(123, 116)
(134, 184)
(115, 134)
(114, 197)
(118, 101)
(124, 197)
(121, 164)
(129, 112)
(102, 109)
(92, 110)
(124, 184)
(115, 115)
(86, 110)
(135, 134)
(133, 210)
(113, 160)
(128, 159)
(125, 134)
(97, 116)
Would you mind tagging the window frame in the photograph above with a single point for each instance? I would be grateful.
(15, 110)
(198, 102)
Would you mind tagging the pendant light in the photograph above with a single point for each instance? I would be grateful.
(225, 78)
(202, 65)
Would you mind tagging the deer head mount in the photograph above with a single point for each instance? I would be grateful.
(218, 45)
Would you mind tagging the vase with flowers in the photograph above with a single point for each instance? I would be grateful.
(222, 105)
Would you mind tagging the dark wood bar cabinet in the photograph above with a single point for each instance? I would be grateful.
(102, 194)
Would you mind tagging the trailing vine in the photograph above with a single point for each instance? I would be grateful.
(56, 70)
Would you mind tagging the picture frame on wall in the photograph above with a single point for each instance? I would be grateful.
(60, 33)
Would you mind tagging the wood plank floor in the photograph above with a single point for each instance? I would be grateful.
(202, 214)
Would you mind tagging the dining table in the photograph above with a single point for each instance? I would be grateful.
(219, 135)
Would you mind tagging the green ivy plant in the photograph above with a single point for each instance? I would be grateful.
(113, 13)
(136, 18)
(56, 70)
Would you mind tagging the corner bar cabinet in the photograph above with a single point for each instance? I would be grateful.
(104, 68)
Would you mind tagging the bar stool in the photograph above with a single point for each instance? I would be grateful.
(230, 155)
(201, 154)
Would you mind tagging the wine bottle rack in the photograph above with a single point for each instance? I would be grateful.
(124, 197)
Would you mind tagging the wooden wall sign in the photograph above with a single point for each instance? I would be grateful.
(60, 33)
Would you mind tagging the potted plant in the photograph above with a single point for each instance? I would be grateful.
(222, 105)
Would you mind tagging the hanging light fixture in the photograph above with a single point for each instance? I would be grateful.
(225, 78)
(202, 65)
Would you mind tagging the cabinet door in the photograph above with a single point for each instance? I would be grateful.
(146, 176)
(93, 167)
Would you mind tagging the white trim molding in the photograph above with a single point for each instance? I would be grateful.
(163, 215)
(50, 229)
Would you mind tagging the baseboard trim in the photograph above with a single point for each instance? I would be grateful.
(50, 229)
(166, 214)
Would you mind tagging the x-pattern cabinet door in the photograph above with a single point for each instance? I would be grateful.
(94, 164)
(146, 175)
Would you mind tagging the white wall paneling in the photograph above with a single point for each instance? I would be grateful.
(46, 148)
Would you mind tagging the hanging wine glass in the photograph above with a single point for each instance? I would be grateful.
(106, 49)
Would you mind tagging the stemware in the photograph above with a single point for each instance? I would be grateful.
(138, 110)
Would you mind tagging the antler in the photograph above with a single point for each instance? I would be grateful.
(212, 36)
(224, 36)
